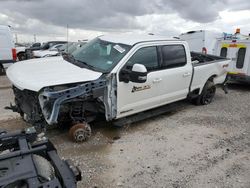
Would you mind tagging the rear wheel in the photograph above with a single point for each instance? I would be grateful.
(207, 94)
(21, 56)
(80, 132)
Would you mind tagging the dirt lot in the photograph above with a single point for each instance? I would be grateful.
(194, 146)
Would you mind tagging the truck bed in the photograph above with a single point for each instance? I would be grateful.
(207, 66)
(204, 58)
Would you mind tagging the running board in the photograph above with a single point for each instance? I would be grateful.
(149, 113)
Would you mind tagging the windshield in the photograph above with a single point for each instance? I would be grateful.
(74, 47)
(100, 55)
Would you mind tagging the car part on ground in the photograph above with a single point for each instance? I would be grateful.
(30, 160)
(80, 132)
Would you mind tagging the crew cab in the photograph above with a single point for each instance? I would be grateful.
(119, 77)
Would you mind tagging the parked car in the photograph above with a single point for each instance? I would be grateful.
(119, 77)
(21, 50)
(237, 48)
(44, 46)
(7, 48)
(52, 51)
(58, 49)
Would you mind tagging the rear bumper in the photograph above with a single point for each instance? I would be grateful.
(239, 78)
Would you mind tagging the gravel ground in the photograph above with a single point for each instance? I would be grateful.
(194, 146)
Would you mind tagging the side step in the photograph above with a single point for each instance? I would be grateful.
(149, 113)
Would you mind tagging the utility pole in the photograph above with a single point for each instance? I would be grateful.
(67, 37)
(34, 37)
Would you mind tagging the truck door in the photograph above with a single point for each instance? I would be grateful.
(168, 79)
(238, 53)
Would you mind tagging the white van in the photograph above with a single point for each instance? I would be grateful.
(7, 48)
(237, 48)
(201, 41)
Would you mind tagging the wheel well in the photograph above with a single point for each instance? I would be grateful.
(20, 53)
(211, 78)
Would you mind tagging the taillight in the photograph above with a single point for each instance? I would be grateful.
(204, 50)
(14, 56)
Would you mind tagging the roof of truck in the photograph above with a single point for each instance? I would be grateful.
(132, 39)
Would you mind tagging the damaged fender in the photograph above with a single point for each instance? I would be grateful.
(50, 101)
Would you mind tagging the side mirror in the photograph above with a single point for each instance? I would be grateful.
(138, 74)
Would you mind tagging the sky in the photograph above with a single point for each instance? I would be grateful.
(86, 19)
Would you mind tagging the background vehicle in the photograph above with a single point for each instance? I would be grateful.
(20, 51)
(7, 48)
(52, 51)
(202, 40)
(237, 48)
(58, 49)
(120, 77)
(30, 160)
(45, 46)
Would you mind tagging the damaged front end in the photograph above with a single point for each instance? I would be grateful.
(59, 104)
(51, 101)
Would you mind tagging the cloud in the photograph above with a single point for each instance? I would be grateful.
(50, 17)
(109, 14)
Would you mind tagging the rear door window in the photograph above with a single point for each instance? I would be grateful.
(173, 56)
(240, 58)
(223, 52)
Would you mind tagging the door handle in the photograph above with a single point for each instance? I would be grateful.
(186, 74)
(157, 80)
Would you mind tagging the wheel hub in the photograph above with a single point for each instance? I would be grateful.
(80, 132)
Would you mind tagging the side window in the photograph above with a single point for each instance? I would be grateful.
(241, 58)
(146, 56)
(223, 52)
(173, 56)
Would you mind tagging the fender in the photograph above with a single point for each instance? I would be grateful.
(50, 101)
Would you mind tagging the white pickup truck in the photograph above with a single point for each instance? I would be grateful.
(123, 78)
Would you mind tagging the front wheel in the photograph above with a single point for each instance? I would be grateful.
(207, 94)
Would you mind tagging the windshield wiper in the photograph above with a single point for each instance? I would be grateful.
(86, 64)
(70, 58)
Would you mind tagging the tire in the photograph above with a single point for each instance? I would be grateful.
(45, 170)
(21, 56)
(207, 94)
(2, 71)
